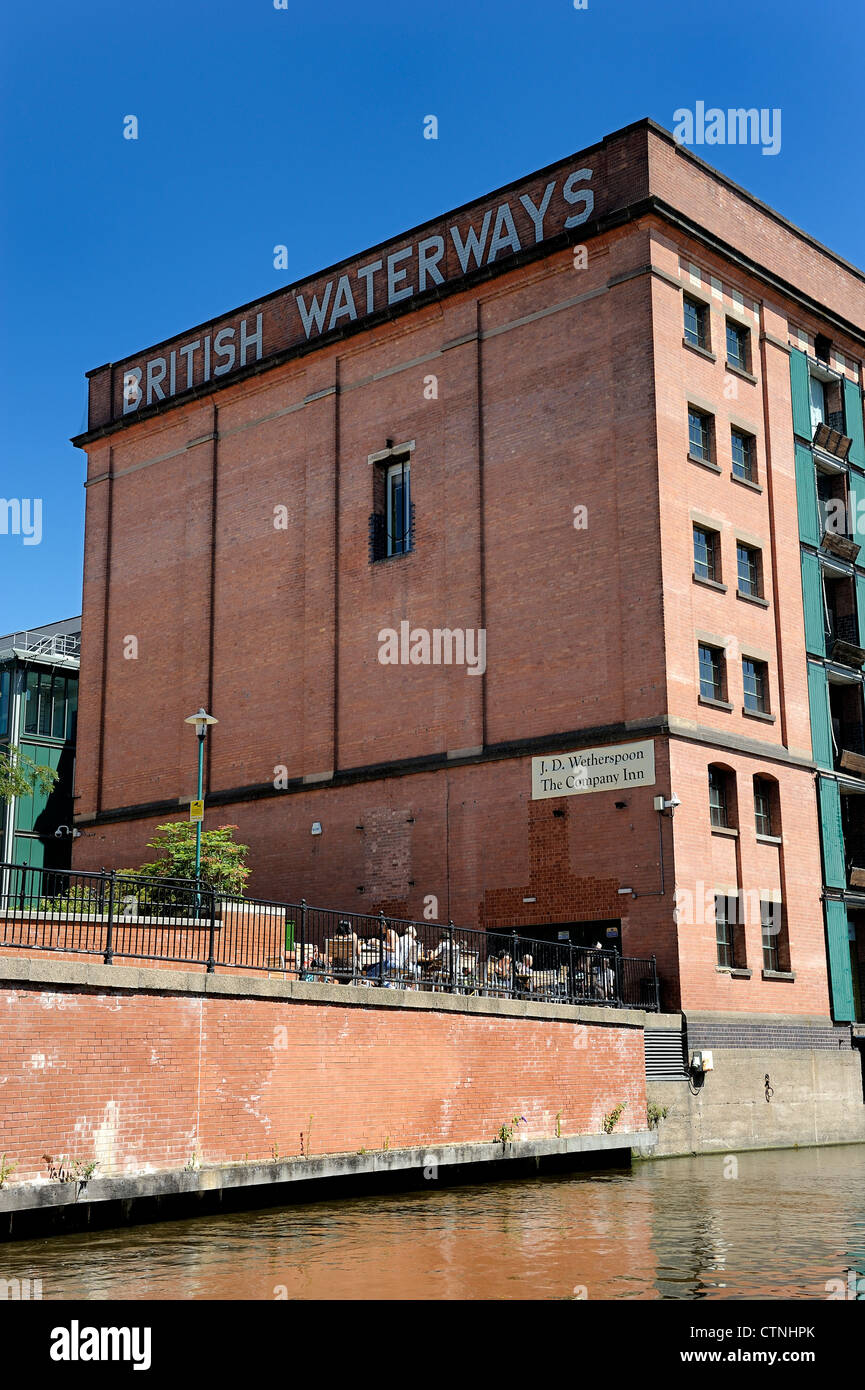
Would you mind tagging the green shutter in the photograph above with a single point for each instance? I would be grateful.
(818, 700)
(806, 496)
(831, 834)
(853, 422)
(840, 973)
(856, 503)
(800, 390)
(860, 606)
(28, 809)
(812, 604)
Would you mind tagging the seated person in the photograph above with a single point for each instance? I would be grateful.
(345, 953)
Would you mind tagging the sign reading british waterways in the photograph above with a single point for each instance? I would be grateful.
(594, 770)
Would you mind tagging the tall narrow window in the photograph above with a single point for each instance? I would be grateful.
(711, 672)
(818, 402)
(763, 806)
(725, 921)
(398, 508)
(738, 346)
(770, 924)
(391, 524)
(31, 703)
(706, 558)
(5, 684)
(718, 803)
(700, 435)
(696, 323)
(748, 570)
(744, 454)
(756, 685)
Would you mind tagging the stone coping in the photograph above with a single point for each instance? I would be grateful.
(29, 1196)
(101, 919)
(89, 975)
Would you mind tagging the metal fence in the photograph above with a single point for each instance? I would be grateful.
(118, 915)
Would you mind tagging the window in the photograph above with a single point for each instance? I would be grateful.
(398, 509)
(770, 927)
(756, 685)
(711, 672)
(50, 704)
(707, 559)
(719, 807)
(738, 346)
(725, 920)
(763, 797)
(696, 323)
(391, 523)
(5, 682)
(818, 402)
(700, 434)
(748, 569)
(744, 454)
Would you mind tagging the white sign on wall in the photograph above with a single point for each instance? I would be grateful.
(614, 768)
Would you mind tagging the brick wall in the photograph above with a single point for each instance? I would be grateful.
(141, 1080)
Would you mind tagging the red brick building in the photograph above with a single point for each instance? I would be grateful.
(557, 422)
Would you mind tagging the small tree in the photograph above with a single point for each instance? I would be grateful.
(21, 776)
(223, 862)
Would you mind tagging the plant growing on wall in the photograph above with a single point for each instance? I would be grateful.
(611, 1120)
(655, 1113)
(6, 1170)
(507, 1131)
(223, 861)
(21, 776)
(69, 1169)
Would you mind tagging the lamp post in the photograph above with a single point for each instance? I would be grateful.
(201, 721)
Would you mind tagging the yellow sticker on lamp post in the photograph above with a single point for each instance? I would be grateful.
(196, 810)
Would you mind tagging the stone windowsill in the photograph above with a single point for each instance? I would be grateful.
(769, 840)
(736, 972)
(778, 975)
(753, 598)
(705, 463)
(709, 583)
(758, 714)
(728, 831)
(740, 371)
(714, 704)
(700, 351)
(746, 482)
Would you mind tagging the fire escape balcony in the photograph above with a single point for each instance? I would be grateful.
(850, 739)
(842, 641)
(842, 546)
(830, 437)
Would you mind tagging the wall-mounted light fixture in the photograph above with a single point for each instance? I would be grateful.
(316, 828)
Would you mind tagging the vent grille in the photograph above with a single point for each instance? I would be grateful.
(665, 1056)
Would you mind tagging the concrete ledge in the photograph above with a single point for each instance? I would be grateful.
(30, 1209)
(96, 976)
(28, 1196)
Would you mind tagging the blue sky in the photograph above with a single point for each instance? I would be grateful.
(303, 127)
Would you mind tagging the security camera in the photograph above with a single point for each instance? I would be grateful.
(61, 831)
(672, 803)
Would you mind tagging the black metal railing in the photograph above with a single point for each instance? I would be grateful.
(117, 915)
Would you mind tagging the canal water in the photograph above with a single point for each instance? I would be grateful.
(771, 1225)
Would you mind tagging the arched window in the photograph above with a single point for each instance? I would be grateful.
(723, 810)
(767, 806)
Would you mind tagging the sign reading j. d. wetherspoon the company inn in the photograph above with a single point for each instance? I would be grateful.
(476, 241)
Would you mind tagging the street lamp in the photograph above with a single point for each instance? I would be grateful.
(201, 721)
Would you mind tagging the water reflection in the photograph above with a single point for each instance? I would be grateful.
(678, 1229)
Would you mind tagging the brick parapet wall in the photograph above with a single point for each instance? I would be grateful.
(143, 1070)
